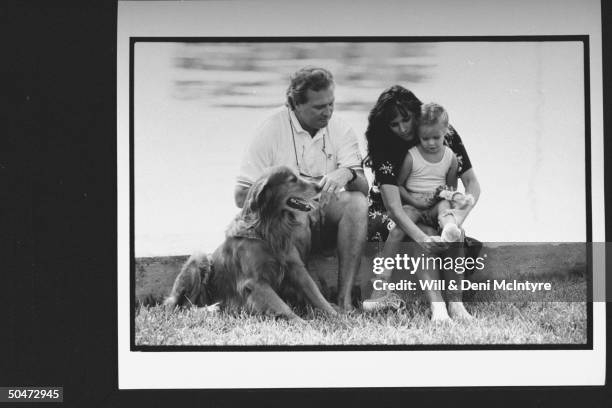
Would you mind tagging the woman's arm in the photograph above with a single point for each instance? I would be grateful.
(465, 171)
(405, 170)
(451, 176)
(471, 184)
(405, 196)
(393, 203)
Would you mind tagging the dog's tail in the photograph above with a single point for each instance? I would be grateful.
(189, 287)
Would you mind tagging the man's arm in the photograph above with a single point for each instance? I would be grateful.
(258, 157)
(348, 156)
(359, 184)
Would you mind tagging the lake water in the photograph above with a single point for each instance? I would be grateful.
(519, 108)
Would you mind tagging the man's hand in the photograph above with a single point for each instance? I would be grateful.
(332, 183)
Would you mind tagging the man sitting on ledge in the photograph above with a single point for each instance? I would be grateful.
(304, 136)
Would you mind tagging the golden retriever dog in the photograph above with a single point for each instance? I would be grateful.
(258, 266)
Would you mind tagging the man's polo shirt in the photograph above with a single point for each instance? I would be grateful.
(332, 147)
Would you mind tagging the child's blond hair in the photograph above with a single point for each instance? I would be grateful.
(433, 114)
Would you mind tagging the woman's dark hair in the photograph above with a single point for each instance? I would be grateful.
(313, 78)
(381, 140)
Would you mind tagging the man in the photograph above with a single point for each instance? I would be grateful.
(304, 136)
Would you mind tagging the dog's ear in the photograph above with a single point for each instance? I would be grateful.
(261, 197)
(256, 196)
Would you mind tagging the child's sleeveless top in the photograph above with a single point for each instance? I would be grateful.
(425, 177)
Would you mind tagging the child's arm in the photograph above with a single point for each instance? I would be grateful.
(409, 198)
(451, 176)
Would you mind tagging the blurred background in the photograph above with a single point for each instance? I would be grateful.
(518, 106)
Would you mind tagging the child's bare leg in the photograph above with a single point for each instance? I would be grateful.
(461, 203)
(448, 222)
(434, 296)
(460, 215)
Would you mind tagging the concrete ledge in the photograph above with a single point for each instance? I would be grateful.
(155, 275)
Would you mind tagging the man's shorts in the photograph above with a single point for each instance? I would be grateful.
(323, 235)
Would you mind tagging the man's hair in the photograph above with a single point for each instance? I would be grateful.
(313, 78)
(433, 114)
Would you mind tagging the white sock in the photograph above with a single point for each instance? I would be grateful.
(451, 233)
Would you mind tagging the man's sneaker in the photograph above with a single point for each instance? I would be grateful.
(378, 302)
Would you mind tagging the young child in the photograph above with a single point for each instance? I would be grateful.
(427, 181)
(428, 177)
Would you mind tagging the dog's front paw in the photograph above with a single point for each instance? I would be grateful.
(337, 309)
(214, 308)
(346, 308)
(171, 302)
(458, 311)
(439, 314)
(297, 319)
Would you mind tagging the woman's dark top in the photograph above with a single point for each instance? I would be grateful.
(386, 172)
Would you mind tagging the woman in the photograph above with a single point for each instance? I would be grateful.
(390, 134)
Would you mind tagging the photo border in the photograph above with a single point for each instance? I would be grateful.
(584, 39)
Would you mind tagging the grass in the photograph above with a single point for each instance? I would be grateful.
(494, 323)
(555, 317)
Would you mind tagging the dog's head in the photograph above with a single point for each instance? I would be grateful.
(281, 190)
